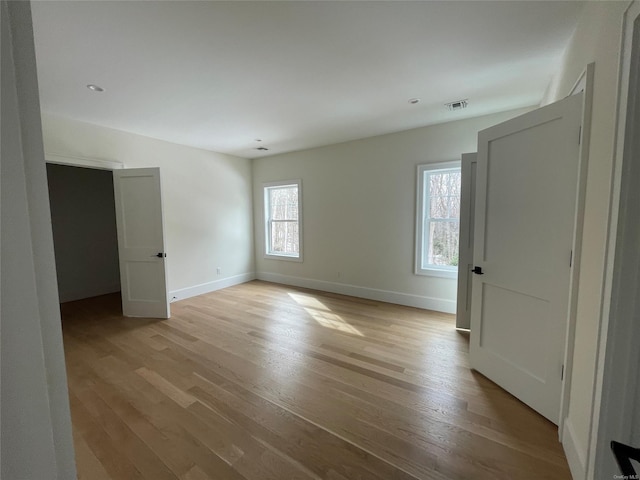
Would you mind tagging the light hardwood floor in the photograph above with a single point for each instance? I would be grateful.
(262, 381)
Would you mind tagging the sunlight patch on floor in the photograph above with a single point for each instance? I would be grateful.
(323, 315)
(331, 320)
(308, 301)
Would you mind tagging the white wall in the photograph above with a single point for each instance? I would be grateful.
(359, 203)
(596, 39)
(84, 231)
(35, 430)
(206, 198)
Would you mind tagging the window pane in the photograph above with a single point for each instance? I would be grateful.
(454, 207)
(438, 206)
(442, 248)
(443, 194)
(284, 238)
(284, 203)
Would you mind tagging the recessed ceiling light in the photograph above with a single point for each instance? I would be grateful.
(95, 88)
(413, 101)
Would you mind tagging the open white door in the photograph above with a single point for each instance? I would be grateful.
(527, 179)
(465, 255)
(141, 242)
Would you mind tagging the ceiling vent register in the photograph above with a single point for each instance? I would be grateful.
(457, 105)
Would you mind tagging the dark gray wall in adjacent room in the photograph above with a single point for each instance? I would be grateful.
(84, 231)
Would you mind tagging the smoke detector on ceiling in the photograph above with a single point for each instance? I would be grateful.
(457, 105)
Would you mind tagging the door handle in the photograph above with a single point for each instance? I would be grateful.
(477, 270)
(160, 255)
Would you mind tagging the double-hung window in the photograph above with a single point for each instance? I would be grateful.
(282, 211)
(438, 219)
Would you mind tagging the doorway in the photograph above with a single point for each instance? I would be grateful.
(84, 231)
(135, 198)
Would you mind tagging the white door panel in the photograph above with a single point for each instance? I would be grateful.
(141, 242)
(465, 256)
(527, 177)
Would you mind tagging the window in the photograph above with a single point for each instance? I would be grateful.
(282, 209)
(438, 219)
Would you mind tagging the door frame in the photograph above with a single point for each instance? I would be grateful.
(584, 84)
(92, 163)
(616, 384)
(95, 163)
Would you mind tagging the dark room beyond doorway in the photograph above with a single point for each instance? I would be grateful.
(84, 231)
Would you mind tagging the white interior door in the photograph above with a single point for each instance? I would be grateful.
(141, 242)
(465, 255)
(527, 178)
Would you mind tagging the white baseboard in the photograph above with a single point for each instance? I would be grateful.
(409, 300)
(203, 288)
(575, 457)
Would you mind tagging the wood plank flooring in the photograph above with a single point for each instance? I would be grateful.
(262, 381)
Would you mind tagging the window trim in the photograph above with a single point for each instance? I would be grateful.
(267, 225)
(434, 271)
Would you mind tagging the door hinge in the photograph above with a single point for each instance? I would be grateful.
(580, 135)
(562, 373)
(571, 258)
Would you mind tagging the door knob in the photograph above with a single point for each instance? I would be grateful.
(161, 255)
(477, 270)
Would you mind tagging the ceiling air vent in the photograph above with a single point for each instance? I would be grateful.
(457, 105)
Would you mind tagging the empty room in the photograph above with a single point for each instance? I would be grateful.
(320, 240)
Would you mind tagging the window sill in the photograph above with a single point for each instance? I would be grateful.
(436, 272)
(288, 258)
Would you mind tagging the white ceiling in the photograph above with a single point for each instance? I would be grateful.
(297, 74)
